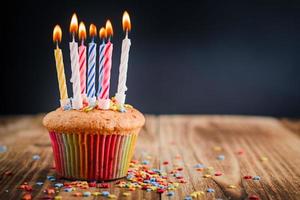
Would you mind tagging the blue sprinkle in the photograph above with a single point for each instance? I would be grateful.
(170, 194)
(87, 194)
(155, 184)
(129, 176)
(199, 166)
(39, 183)
(188, 198)
(147, 181)
(161, 186)
(3, 148)
(59, 185)
(152, 179)
(105, 193)
(148, 190)
(68, 189)
(145, 162)
(36, 157)
(177, 175)
(256, 178)
(221, 157)
(50, 177)
(210, 190)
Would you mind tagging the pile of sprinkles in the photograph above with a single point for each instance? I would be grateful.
(140, 176)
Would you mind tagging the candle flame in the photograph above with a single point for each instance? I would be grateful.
(102, 33)
(126, 21)
(93, 30)
(74, 24)
(82, 31)
(109, 29)
(57, 34)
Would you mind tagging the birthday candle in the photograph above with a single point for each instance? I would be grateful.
(77, 99)
(120, 96)
(91, 64)
(104, 94)
(102, 34)
(57, 34)
(82, 58)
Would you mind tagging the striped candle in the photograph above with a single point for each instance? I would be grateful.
(82, 58)
(120, 96)
(75, 79)
(102, 34)
(91, 64)
(82, 67)
(57, 34)
(104, 94)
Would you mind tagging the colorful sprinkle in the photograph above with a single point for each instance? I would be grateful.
(264, 159)
(26, 197)
(170, 194)
(217, 148)
(218, 173)
(256, 178)
(96, 194)
(105, 193)
(210, 190)
(221, 157)
(126, 194)
(39, 183)
(58, 185)
(188, 198)
(87, 194)
(3, 148)
(253, 197)
(231, 186)
(247, 177)
(58, 197)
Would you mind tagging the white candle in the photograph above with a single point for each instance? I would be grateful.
(75, 79)
(121, 96)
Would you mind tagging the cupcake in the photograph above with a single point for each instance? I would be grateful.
(94, 145)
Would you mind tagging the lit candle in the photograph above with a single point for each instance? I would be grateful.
(77, 99)
(57, 34)
(92, 65)
(82, 58)
(104, 94)
(102, 35)
(120, 96)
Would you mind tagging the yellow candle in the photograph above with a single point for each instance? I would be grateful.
(57, 34)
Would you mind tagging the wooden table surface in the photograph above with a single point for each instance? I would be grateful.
(271, 150)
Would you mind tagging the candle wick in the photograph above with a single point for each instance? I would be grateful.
(82, 42)
(126, 33)
(57, 45)
(73, 37)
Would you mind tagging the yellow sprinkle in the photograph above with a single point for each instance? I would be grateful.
(264, 158)
(128, 106)
(58, 197)
(112, 196)
(96, 193)
(126, 194)
(206, 176)
(217, 148)
(232, 186)
(194, 195)
(200, 193)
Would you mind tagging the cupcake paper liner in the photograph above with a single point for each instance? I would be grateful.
(92, 156)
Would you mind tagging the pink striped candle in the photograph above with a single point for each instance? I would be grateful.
(104, 94)
(82, 58)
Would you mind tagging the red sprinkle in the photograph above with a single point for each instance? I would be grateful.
(218, 174)
(160, 190)
(28, 188)
(26, 197)
(165, 162)
(92, 184)
(240, 152)
(179, 168)
(8, 173)
(253, 197)
(102, 185)
(247, 177)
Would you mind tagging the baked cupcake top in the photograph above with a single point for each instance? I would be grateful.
(94, 121)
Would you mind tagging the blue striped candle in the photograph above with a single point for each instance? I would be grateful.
(101, 65)
(91, 70)
(91, 75)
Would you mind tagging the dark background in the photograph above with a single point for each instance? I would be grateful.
(207, 57)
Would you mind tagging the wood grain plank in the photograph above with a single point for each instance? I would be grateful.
(24, 136)
(258, 137)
